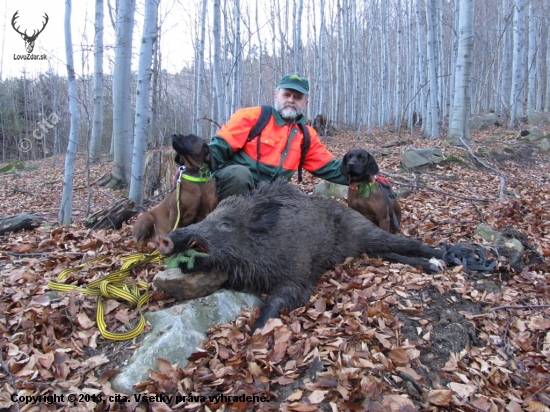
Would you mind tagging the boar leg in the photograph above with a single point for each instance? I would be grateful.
(289, 296)
(413, 261)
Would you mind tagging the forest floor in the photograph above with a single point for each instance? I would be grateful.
(374, 336)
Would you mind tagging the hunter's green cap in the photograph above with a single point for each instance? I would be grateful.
(295, 82)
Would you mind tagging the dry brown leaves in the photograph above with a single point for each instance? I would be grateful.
(350, 348)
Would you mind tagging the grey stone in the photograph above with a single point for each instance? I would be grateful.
(489, 117)
(487, 232)
(534, 134)
(177, 331)
(328, 189)
(477, 123)
(412, 157)
(514, 247)
(544, 145)
(538, 117)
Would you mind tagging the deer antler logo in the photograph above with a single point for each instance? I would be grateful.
(29, 40)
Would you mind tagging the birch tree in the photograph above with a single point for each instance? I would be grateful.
(459, 131)
(518, 63)
(531, 60)
(142, 99)
(216, 29)
(122, 99)
(237, 59)
(97, 123)
(66, 208)
(433, 112)
(298, 36)
(505, 78)
(547, 93)
(200, 70)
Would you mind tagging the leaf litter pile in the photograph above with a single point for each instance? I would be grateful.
(374, 336)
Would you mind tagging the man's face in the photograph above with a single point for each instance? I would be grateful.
(290, 103)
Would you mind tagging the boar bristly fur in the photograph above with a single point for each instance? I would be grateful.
(279, 241)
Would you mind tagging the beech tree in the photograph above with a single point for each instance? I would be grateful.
(200, 69)
(459, 131)
(142, 99)
(518, 63)
(123, 136)
(216, 64)
(97, 123)
(433, 107)
(66, 208)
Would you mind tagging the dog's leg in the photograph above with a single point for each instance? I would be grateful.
(384, 223)
(144, 228)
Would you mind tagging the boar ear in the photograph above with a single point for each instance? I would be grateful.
(264, 216)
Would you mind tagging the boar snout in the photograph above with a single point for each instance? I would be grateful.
(164, 245)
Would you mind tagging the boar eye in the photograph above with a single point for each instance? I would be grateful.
(225, 225)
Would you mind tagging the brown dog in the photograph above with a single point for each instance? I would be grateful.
(369, 194)
(197, 191)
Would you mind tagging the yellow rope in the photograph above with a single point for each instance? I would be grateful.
(178, 205)
(113, 286)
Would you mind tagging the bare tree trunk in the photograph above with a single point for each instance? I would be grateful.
(459, 132)
(237, 59)
(298, 37)
(433, 112)
(507, 57)
(518, 64)
(216, 28)
(531, 60)
(200, 70)
(97, 123)
(421, 75)
(260, 58)
(148, 39)
(547, 94)
(66, 207)
(154, 139)
(122, 98)
(398, 92)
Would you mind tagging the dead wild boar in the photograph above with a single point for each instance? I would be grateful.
(279, 241)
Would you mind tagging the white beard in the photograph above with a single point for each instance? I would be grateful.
(288, 112)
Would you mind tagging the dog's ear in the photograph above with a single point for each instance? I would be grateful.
(180, 161)
(372, 166)
(344, 165)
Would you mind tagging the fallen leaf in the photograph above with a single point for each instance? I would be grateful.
(84, 320)
(439, 397)
(297, 395)
(317, 396)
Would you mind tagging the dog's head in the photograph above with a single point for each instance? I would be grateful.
(359, 166)
(192, 151)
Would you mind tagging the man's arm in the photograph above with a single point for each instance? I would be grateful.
(321, 163)
(221, 151)
(331, 172)
(233, 135)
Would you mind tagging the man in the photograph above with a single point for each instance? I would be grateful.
(238, 161)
